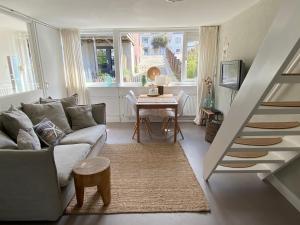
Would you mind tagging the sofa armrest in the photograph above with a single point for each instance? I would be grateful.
(29, 188)
(99, 113)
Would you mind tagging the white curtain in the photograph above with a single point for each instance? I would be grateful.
(74, 69)
(89, 60)
(208, 56)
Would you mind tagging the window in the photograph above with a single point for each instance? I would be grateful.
(146, 51)
(166, 50)
(178, 40)
(16, 68)
(145, 40)
(174, 52)
(98, 57)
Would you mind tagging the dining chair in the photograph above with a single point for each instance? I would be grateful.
(162, 112)
(169, 115)
(133, 95)
(143, 114)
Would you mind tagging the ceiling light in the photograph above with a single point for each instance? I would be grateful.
(173, 1)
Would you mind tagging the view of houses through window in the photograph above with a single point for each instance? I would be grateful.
(16, 68)
(174, 53)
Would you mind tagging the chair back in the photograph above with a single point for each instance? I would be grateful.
(132, 104)
(131, 92)
(182, 102)
(181, 92)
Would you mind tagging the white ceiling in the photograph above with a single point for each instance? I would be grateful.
(11, 23)
(87, 14)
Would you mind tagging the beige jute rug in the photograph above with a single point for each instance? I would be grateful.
(146, 178)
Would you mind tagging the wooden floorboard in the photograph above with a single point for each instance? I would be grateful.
(234, 199)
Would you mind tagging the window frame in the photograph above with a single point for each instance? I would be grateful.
(33, 54)
(118, 48)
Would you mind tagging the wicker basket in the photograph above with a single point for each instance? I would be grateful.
(212, 128)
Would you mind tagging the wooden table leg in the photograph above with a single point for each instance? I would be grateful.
(79, 191)
(138, 123)
(104, 187)
(175, 124)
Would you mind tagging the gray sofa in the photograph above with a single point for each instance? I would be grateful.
(38, 184)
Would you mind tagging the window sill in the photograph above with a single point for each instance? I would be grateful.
(124, 85)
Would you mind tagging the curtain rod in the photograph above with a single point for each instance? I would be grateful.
(12, 12)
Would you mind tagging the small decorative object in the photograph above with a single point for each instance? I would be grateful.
(153, 91)
(160, 81)
(152, 72)
(108, 80)
(144, 80)
(208, 101)
(160, 90)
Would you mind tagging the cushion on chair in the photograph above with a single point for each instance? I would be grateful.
(6, 142)
(13, 120)
(27, 139)
(99, 113)
(88, 135)
(81, 117)
(48, 132)
(66, 102)
(65, 157)
(53, 111)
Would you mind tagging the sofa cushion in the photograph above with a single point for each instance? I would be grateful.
(99, 113)
(6, 142)
(27, 139)
(88, 135)
(81, 117)
(65, 157)
(48, 132)
(66, 102)
(53, 111)
(13, 120)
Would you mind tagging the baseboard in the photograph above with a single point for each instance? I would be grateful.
(290, 196)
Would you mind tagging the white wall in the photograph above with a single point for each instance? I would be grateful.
(52, 61)
(16, 99)
(242, 37)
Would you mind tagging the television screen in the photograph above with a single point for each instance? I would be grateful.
(231, 74)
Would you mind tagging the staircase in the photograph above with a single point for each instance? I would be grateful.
(244, 146)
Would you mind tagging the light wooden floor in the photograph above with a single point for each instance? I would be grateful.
(234, 199)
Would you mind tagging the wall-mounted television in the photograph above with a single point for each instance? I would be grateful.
(232, 74)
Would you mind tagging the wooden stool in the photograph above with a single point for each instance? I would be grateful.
(92, 172)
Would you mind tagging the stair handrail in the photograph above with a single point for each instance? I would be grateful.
(277, 50)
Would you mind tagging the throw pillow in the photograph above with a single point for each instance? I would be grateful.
(53, 111)
(6, 142)
(48, 132)
(81, 117)
(66, 102)
(14, 120)
(99, 113)
(27, 139)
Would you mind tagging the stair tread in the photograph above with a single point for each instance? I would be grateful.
(258, 141)
(291, 74)
(263, 110)
(249, 131)
(282, 104)
(285, 144)
(258, 168)
(267, 158)
(273, 125)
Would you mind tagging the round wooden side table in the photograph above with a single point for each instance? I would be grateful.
(92, 172)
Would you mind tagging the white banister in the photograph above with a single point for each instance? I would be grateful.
(276, 51)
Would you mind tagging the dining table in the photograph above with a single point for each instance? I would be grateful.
(165, 101)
